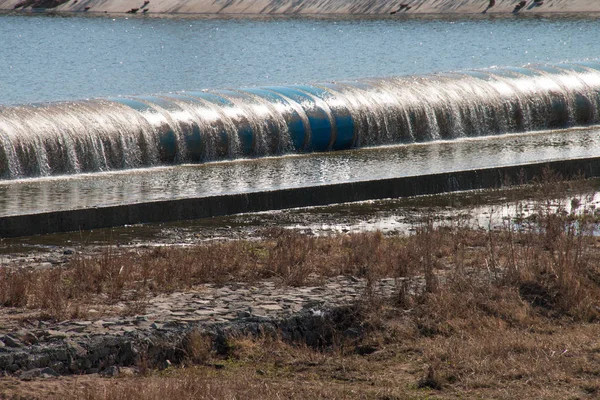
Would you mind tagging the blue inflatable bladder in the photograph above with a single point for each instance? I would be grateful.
(296, 127)
(320, 125)
(344, 125)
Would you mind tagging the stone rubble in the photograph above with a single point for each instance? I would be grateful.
(104, 344)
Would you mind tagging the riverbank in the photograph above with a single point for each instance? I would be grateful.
(361, 315)
(305, 7)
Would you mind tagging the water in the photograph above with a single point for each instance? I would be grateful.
(47, 58)
(56, 58)
(243, 176)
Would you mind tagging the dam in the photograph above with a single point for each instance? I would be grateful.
(201, 126)
(194, 154)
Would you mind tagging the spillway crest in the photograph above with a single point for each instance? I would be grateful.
(191, 127)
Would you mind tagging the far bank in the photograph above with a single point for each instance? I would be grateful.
(305, 7)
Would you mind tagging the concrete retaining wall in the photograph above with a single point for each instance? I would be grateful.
(304, 7)
(204, 207)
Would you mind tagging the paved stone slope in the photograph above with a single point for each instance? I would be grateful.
(96, 344)
(322, 7)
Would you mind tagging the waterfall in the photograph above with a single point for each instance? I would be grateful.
(190, 127)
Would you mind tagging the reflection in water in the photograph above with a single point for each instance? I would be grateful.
(144, 185)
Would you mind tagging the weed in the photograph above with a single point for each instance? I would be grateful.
(198, 347)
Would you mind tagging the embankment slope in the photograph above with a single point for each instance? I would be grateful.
(302, 7)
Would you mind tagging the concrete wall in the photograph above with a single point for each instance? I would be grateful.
(195, 208)
(319, 7)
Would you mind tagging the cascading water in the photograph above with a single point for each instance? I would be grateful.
(143, 131)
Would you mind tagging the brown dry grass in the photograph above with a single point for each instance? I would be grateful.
(501, 313)
(549, 260)
(542, 361)
(483, 314)
(286, 256)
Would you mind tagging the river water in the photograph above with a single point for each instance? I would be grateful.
(48, 58)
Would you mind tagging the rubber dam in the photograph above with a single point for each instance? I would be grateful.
(76, 140)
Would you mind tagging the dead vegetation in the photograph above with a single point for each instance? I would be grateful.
(478, 313)
(547, 259)
(288, 257)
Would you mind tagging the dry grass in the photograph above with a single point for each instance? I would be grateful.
(549, 260)
(542, 361)
(286, 256)
(500, 313)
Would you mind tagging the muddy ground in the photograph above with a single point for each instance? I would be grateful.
(482, 209)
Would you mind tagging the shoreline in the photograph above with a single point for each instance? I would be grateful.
(307, 8)
(85, 219)
(148, 330)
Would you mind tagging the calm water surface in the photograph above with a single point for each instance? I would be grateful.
(47, 58)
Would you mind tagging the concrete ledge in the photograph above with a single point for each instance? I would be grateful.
(305, 7)
(204, 207)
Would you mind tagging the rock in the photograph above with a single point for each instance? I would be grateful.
(178, 314)
(6, 360)
(31, 374)
(38, 373)
(76, 329)
(111, 371)
(12, 368)
(172, 324)
(53, 335)
(127, 371)
(206, 313)
(364, 350)
(165, 364)
(270, 307)
(11, 342)
(25, 337)
(58, 366)
(351, 333)
(77, 350)
(86, 364)
(49, 372)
